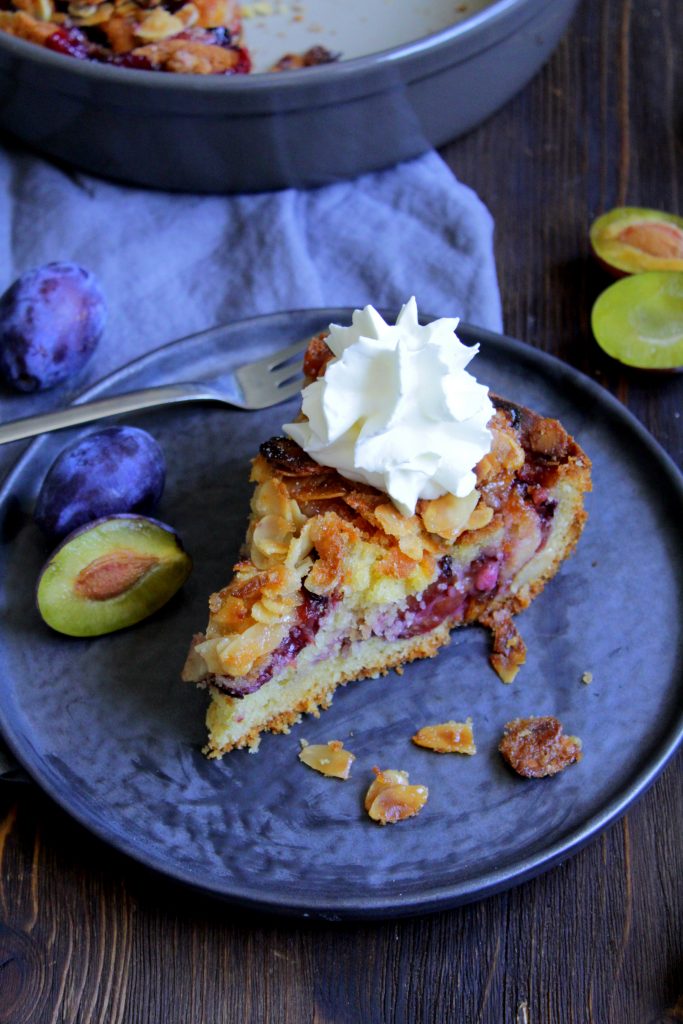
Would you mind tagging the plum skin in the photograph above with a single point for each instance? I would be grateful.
(51, 320)
(118, 469)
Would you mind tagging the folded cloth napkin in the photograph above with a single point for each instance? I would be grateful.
(170, 265)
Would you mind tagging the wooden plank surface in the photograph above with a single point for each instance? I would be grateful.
(87, 936)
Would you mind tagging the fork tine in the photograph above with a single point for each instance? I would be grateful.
(289, 390)
(283, 373)
(273, 395)
(276, 358)
(272, 379)
(286, 354)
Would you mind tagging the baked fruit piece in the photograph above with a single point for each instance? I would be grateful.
(202, 37)
(336, 584)
(198, 37)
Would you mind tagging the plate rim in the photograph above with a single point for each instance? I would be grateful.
(373, 906)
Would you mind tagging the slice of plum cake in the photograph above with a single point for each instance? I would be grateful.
(336, 584)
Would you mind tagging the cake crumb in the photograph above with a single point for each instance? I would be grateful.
(329, 759)
(587, 678)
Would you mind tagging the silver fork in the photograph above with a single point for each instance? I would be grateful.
(257, 385)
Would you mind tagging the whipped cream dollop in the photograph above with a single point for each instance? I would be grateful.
(397, 409)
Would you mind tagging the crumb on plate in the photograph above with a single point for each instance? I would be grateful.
(327, 758)
(447, 737)
(535, 747)
(390, 798)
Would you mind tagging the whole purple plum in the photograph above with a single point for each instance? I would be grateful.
(51, 320)
(119, 469)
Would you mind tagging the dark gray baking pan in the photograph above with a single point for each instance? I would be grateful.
(266, 131)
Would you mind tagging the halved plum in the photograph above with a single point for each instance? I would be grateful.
(631, 240)
(639, 320)
(111, 574)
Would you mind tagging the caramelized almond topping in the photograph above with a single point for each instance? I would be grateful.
(535, 747)
(390, 799)
(317, 356)
(509, 650)
(286, 457)
(549, 438)
(25, 26)
(112, 574)
(447, 516)
(328, 758)
(481, 517)
(447, 737)
(381, 781)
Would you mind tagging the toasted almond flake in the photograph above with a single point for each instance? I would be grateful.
(382, 779)
(188, 14)
(80, 10)
(329, 759)
(447, 516)
(390, 798)
(412, 547)
(158, 24)
(42, 10)
(482, 516)
(94, 15)
(447, 737)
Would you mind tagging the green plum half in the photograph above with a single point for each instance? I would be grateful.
(639, 320)
(632, 240)
(111, 574)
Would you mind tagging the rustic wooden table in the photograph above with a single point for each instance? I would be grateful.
(87, 936)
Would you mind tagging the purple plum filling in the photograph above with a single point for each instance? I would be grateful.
(310, 614)
(448, 598)
(443, 599)
(535, 480)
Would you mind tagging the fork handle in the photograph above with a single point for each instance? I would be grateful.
(89, 412)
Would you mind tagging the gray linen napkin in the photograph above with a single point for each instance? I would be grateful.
(172, 264)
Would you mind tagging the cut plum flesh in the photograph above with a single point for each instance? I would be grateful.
(632, 240)
(639, 320)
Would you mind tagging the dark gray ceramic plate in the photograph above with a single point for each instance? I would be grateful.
(108, 730)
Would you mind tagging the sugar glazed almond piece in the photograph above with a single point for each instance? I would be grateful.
(535, 747)
(447, 737)
(390, 798)
(327, 758)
